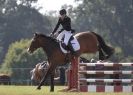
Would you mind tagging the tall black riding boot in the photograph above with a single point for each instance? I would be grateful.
(74, 53)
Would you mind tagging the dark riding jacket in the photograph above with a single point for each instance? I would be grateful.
(66, 24)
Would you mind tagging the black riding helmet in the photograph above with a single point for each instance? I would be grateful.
(62, 12)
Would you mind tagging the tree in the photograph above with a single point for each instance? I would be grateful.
(113, 19)
(18, 57)
(19, 21)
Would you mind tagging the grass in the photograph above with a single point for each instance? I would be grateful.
(31, 90)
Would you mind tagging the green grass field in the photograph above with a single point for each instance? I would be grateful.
(31, 90)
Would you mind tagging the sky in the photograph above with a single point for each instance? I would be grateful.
(53, 5)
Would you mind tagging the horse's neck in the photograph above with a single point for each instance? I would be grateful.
(50, 46)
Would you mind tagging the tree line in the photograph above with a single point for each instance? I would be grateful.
(112, 19)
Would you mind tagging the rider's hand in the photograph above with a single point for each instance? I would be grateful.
(51, 35)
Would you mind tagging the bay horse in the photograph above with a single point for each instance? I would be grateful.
(90, 42)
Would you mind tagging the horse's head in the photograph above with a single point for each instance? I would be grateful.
(35, 43)
(38, 72)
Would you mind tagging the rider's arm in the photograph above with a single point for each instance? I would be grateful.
(56, 27)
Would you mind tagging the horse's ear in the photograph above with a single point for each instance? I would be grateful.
(35, 34)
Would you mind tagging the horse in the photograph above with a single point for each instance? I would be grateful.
(39, 70)
(5, 79)
(90, 42)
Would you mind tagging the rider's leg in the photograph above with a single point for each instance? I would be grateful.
(60, 36)
(67, 36)
(73, 46)
(70, 41)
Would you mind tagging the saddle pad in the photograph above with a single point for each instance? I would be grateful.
(75, 45)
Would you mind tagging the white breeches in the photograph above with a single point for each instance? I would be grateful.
(65, 36)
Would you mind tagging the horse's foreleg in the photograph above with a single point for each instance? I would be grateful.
(52, 82)
(49, 72)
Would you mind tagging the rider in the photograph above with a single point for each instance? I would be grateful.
(65, 35)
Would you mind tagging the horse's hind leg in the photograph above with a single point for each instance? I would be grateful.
(49, 72)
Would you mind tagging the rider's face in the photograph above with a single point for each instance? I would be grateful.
(62, 16)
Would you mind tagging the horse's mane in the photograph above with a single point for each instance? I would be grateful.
(53, 42)
(48, 37)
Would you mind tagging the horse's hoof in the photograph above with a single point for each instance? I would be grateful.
(38, 88)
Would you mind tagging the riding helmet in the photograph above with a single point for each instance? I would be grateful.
(62, 12)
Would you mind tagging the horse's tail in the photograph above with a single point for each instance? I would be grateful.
(103, 47)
